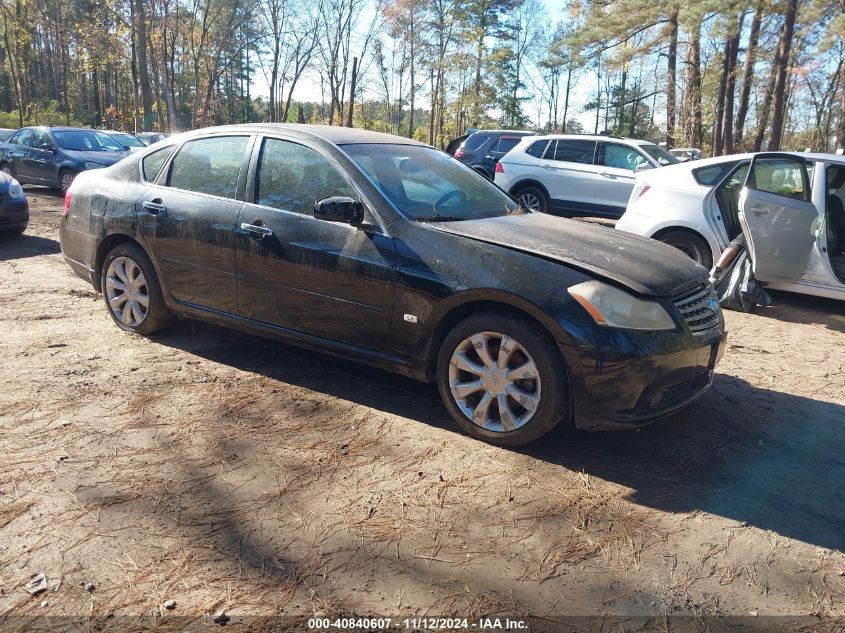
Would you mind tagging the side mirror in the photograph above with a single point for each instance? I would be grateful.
(47, 147)
(644, 166)
(339, 209)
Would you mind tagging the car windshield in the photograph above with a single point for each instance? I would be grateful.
(86, 141)
(660, 155)
(126, 139)
(427, 185)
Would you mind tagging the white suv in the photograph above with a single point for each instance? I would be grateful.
(580, 175)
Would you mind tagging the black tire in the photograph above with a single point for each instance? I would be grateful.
(535, 344)
(66, 180)
(528, 194)
(691, 245)
(157, 315)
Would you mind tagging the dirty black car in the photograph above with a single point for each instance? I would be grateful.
(383, 250)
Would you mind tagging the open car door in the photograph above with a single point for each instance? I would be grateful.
(778, 217)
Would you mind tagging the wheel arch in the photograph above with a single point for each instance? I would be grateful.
(103, 249)
(506, 304)
(529, 182)
(682, 228)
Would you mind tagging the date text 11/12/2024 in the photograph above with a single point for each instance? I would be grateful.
(414, 624)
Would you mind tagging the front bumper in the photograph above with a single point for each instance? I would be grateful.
(620, 393)
(14, 213)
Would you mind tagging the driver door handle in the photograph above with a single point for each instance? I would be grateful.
(155, 207)
(261, 231)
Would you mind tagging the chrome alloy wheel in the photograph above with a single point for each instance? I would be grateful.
(66, 181)
(529, 201)
(494, 381)
(127, 292)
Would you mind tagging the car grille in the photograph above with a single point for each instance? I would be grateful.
(700, 309)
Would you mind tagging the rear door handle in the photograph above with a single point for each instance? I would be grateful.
(255, 229)
(154, 207)
(759, 210)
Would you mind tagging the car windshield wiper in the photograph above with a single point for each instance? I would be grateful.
(438, 218)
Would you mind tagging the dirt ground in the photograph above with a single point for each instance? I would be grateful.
(224, 471)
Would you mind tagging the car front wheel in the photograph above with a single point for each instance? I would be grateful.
(532, 198)
(66, 180)
(502, 379)
(132, 292)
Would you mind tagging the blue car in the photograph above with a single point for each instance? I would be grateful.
(52, 156)
(14, 207)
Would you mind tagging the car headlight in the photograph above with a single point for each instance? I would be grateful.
(15, 189)
(93, 166)
(612, 307)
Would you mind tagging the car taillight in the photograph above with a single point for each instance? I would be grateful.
(67, 204)
(642, 191)
(499, 168)
(459, 153)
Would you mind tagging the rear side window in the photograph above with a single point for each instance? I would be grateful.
(507, 143)
(209, 165)
(293, 177)
(151, 164)
(536, 149)
(474, 141)
(575, 151)
(712, 174)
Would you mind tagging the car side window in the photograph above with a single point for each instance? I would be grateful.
(621, 157)
(709, 176)
(39, 138)
(25, 138)
(151, 164)
(209, 165)
(575, 151)
(506, 144)
(780, 176)
(536, 149)
(292, 177)
(13, 139)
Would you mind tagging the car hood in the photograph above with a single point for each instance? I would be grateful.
(104, 158)
(645, 266)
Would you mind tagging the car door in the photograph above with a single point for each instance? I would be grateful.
(42, 159)
(778, 217)
(326, 279)
(570, 175)
(19, 156)
(616, 174)
(188, 218)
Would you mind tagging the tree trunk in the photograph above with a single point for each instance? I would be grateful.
(671, 72)
(840, 133)
(782, 62)
(748, 73)
(727, 143)
(352, 91)
(140, 24)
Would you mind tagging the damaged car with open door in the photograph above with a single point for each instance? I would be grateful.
(791, 244)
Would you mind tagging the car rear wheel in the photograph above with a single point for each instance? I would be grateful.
(691, 245)
(66, 180)
(502, 379)
(532, 198)
(132, 292)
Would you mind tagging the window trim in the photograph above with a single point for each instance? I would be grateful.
(571, 162)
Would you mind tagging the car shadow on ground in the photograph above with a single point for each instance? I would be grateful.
(766, 459)
(797, 308)
(20, 246)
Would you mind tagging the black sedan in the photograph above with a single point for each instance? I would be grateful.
(53, 156)
(14, 207)
(384, 250)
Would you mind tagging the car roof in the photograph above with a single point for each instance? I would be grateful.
(504, 132)
(332, 134)
(593, 137)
